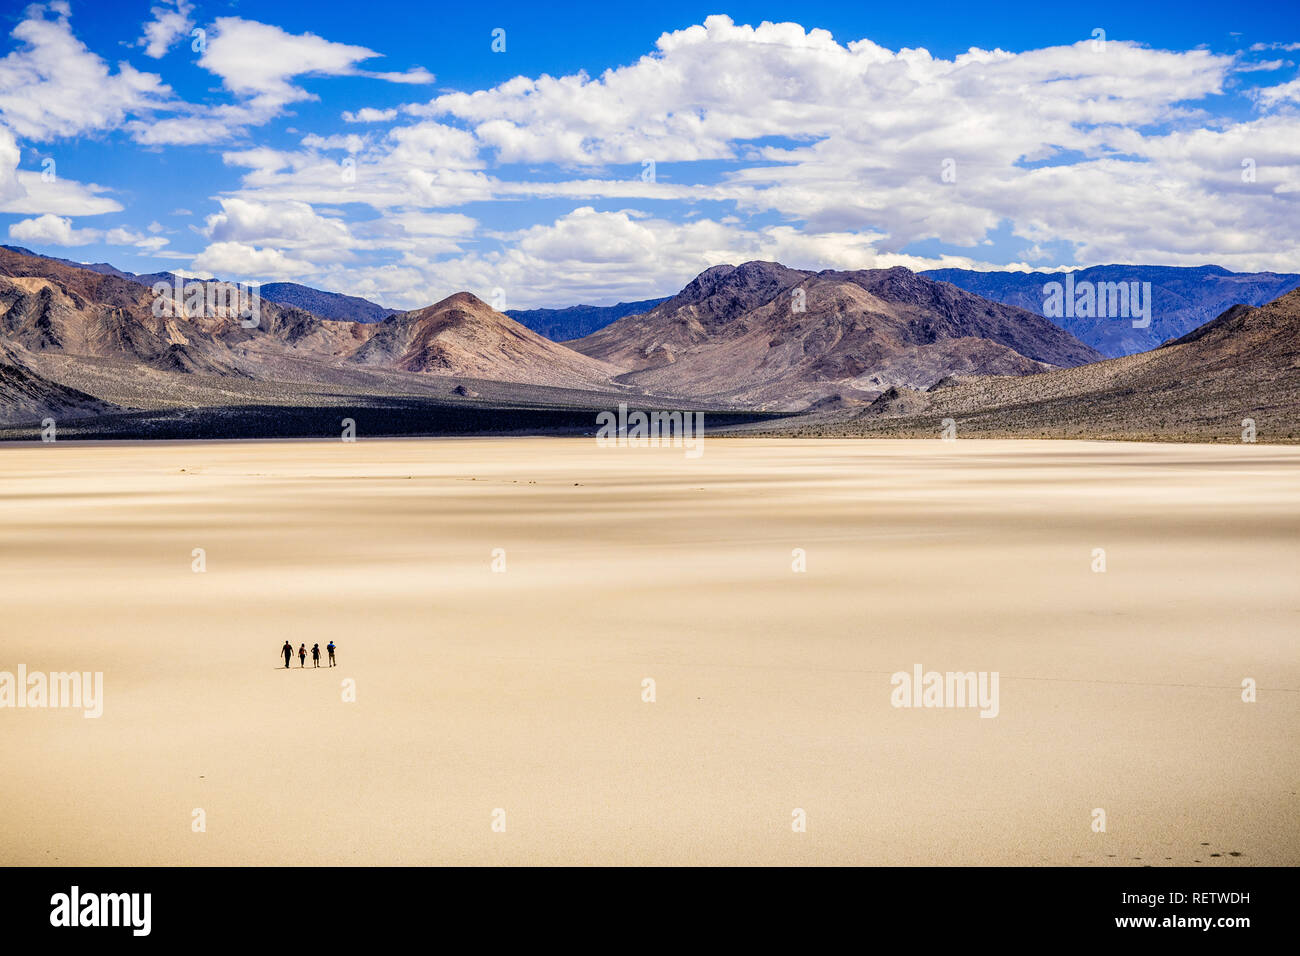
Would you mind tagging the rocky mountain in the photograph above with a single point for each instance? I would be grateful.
(27, 396)
(462, 335)
(325, 305)
(561, 325)
(871, 352)
(764, 334)
(1234, 378)
(46, 306)
(106, 335)
(1181, 298)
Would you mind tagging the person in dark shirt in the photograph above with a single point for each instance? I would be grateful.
(302, 655)
(287, 651)
(330, 648)
(315, 655)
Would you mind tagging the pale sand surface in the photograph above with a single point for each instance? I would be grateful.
(522, 690)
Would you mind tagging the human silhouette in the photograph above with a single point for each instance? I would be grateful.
(287, 651)
(302, 655)
(315, 655)
(330, 647)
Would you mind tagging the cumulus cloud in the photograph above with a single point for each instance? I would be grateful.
(170, 21)
(258, 64)
(770, 141)
(285, 225)
(258, 60)
(593, 256)
(713, 86)
(54, 230)
(238, 260)
(857, 151)
(36, 193)
(53, 86)
(1282, 93)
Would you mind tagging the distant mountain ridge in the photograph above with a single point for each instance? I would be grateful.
(561, 325)
(326, 305)
(1183, 298)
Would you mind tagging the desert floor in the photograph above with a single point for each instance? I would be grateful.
(522, 691)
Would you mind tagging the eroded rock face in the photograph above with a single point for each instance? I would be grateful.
(28, 397)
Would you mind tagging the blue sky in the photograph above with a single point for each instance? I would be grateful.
(387, 150)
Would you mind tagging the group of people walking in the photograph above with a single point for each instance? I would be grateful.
(287, 651)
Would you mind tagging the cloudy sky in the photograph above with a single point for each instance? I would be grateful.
(598, 152)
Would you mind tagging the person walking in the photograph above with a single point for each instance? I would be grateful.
(287, 651)
(315, 655)
(302, 655)
(330, 648)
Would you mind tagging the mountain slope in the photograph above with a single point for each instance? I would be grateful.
(26, 396)
(1245, 364)
(1182, 298)
(735, 333)
(462, 335)
(326, 305)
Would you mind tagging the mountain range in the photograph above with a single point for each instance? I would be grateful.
(883, 351)
(1235, 378)
(1182, 298)
(325, 305)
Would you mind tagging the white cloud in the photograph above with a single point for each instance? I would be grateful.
(257, 63)
(289, 224)
(170, 21)
(416, 76)
(10, 156)
(62, 197)
(1282, 93)
(53, 86)
(59, 231)
(258, 60)
(369, 114)
(831, 154)
(710, 87)
(238, 260)
(53, 230)
(601, 257)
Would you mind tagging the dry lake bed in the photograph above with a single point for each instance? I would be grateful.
(553, 652)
